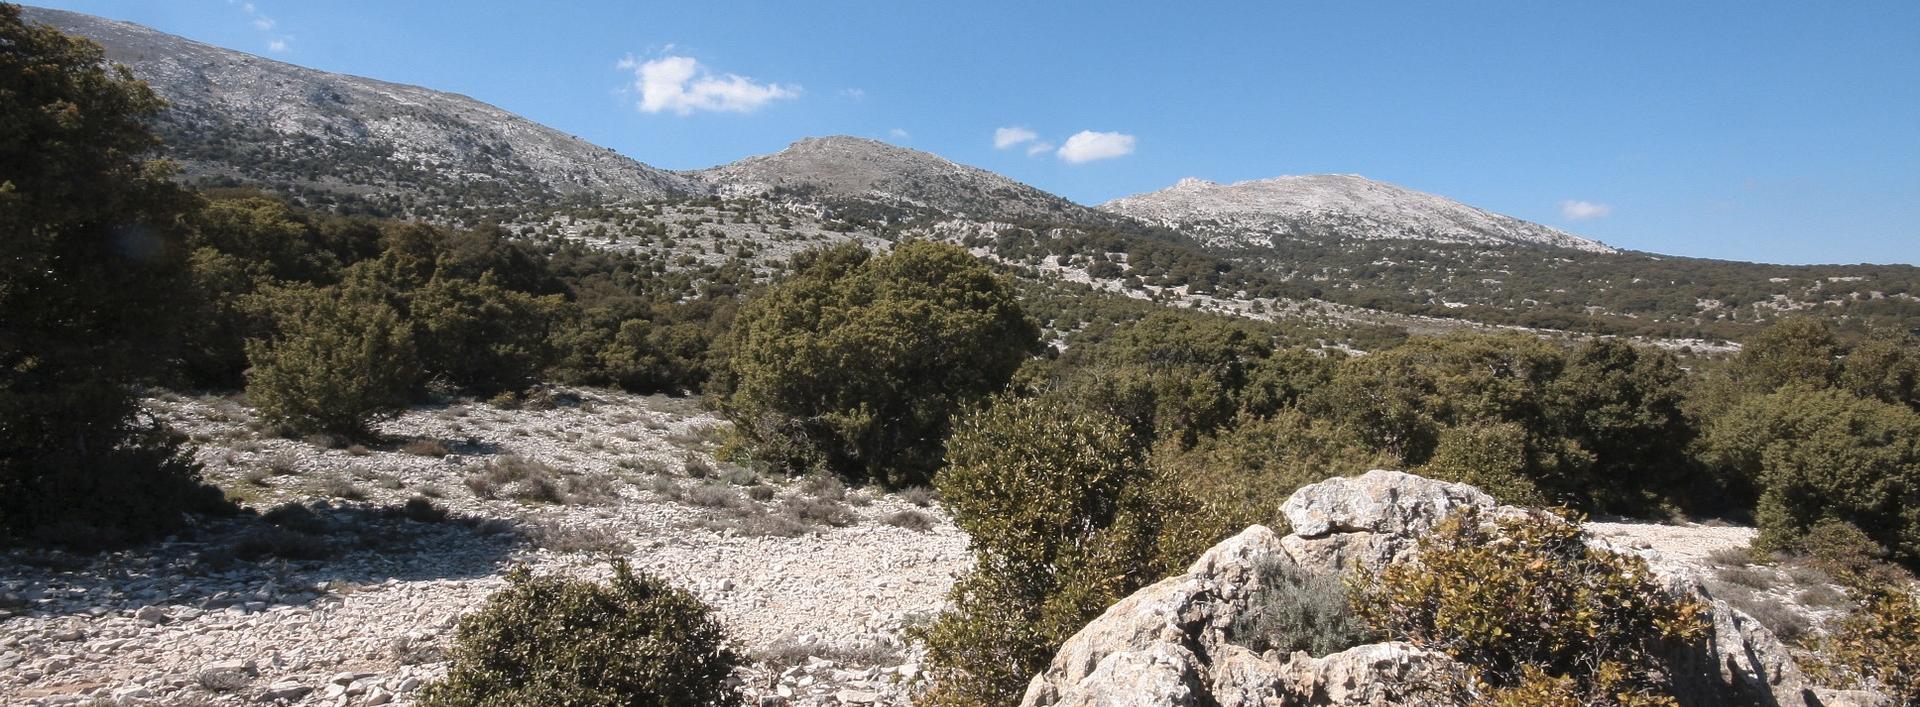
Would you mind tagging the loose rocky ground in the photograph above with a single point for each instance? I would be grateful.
(345, 597)
(353, 602)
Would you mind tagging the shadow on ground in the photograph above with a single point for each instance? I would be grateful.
(282, 557)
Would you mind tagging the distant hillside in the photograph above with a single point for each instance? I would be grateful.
(236, 117)
(1331, 205)
(844, 168)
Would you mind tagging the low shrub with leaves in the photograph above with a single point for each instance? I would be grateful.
(1295, 610)
(555, 641)
(1063, 520)
(1877, 645)
(1533, 610)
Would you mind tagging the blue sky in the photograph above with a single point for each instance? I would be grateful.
(1758, 130)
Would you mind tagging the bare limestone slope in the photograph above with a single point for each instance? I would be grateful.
(849, 168)
(1251, 213)
(237, 115)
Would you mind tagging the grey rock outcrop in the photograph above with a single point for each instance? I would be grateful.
(1167, 644)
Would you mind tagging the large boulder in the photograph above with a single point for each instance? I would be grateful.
(1167, 643)
(1370, 520)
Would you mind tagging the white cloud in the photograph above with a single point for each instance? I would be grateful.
(1576, 210)
(899, 134)
(1087, 146)
(1039, 147)
(853, 93)
(681, 85)
(1004, 138)
(278, 45)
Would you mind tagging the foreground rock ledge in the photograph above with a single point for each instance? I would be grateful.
(1166, 644)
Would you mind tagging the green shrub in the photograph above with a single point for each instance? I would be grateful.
(1062, 516)
(1294, 610)
(479, 335)
(340, 358)
(1489, 456)
(1598, 427)
(1885, 367)
(556, 641)
(1850, 556)
(1817, 455)
(94, 295)
(1796, 351)
(856, 363)
(1519, 600)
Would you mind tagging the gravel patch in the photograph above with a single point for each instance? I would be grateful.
(353, 602)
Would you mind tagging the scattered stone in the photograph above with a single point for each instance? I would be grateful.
(152, 615)
(284, 691)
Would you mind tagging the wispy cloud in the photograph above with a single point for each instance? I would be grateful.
(1004, 138)
(1040, 147)
(1088, 145)
(856, 94)
(280, 43)
(680, 84)
(899, 134)
(1577, 210)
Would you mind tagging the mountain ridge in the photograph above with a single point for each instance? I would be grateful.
(847, 167)
(1346, 205)
(234, 116)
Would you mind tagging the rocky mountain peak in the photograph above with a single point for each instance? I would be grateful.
(238, 116)
(844, 167)
(1344, 205)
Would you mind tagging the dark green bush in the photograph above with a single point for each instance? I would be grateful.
(1795, 351)
(1816, 455)
(1062, 516)
(94, 293)
(479, 335)
(856, 363)
(1294, 610)
(340, 357)
(1489, 456)
(1241, 475)
(555, 641)
(1885, 367)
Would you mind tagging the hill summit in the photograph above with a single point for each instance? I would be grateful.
(1342, 205)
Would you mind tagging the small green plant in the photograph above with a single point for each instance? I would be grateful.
(910, 519)
(1294, 610)
(425, 447)
(560, 538)
(548, 640)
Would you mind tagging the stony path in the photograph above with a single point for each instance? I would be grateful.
(1690, 542)
(194, 621)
